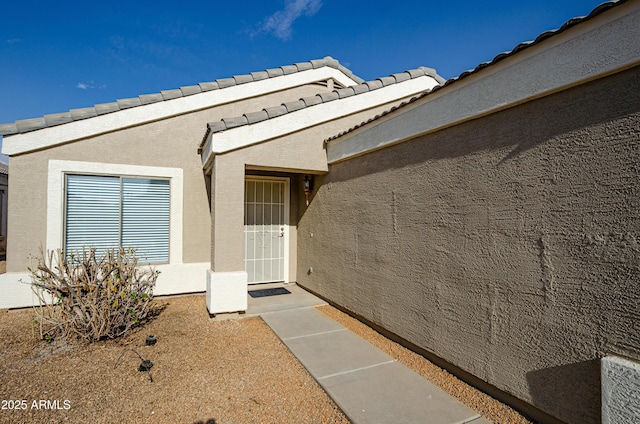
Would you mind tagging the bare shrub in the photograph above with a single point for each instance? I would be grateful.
(89, 297)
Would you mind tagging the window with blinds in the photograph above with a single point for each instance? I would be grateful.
(108, 212)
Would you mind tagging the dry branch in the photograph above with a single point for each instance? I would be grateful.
(89, 297)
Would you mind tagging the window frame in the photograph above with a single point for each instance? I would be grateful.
(56, 197)
(121, 209)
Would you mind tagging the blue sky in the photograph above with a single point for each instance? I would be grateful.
(57, 56)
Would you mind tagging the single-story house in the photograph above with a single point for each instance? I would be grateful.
(490, 222)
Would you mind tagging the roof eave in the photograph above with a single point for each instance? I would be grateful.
(46, 137)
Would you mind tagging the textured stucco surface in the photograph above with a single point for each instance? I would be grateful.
(171, 142)
(507, 245)
(620, 391)
(296, 154)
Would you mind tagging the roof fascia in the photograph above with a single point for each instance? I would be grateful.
(77, 130)
(247, 135)
(586, 52)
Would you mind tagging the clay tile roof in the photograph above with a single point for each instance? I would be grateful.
(254, 117)
(30, 124)
(289, 69)
(345, 92)
(387, 80)
(311, 100)
(306, 102)
(191, 89)
(171, 94)
(208, 86)
(374, 85)
(127, 103)
(226, 82)
(146, 99)
(88, 112)
(304, 66)
(58, 118)
(243, 79)
(166, 95)
(235, 122)
(276, 72)
(275, 111)
(328, 97)
(258, 76)
(401, 77)
(293, 106)
(8, 128)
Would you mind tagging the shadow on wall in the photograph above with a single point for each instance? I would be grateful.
(516, 130)
(577, 384)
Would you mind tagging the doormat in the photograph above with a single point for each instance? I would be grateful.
(269, 292)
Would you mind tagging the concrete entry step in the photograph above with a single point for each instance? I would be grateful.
(367, 384)
(263, 298)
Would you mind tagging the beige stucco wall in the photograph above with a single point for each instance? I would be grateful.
(295, 154)
(171, 142)
(507, 245)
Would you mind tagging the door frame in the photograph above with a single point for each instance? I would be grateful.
(287, 212)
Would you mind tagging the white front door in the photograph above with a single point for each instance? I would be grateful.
(266, 219)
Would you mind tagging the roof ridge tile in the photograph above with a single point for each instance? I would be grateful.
(289, 69)
(322, 97)
(57, 118)
(328, 96)
(208, 86)
(170, 94)
(237, 121)
(374, 85)
(295, 105)
(303, 66)
(243, 79)
(260, 75)
(30, 124)
(83, 113)
(275, 72)
(190, 90)
(103, 108)
(360, 88)
(401, 76)
(312, 100)
(318, 63)
(345, 92)
(387, 80)
(226, 82)
(128, 103)
(275, 111)
(146, 99)
(254, 117)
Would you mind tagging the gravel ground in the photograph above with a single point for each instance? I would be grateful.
(204, 371)
(484, 404)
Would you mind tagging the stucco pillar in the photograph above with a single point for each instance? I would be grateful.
(227, 280)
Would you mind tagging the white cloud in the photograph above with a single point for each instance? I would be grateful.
(91, 84)
(280, 23)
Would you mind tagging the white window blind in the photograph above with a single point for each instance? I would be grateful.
(145, 218)
(108, 212)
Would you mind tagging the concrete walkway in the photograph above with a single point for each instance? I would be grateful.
(368, 385)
